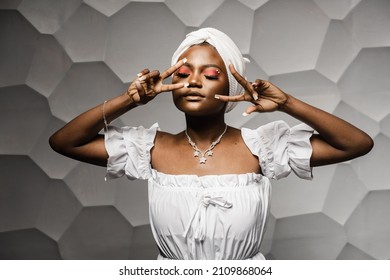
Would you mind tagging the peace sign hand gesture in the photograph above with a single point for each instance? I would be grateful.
(149, 84)
(265, 96)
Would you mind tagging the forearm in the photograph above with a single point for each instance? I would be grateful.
(348, 140)
(85, 128)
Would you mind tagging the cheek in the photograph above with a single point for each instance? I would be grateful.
(222, 89)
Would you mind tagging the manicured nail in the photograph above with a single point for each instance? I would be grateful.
(142, 78)
(216, 96)
(184, 60)
(139, 74)
(255, 96)
(245, 114)
(186, 84)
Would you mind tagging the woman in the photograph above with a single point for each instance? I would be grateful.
(209, 187)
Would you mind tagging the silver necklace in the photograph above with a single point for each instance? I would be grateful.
(209, 152)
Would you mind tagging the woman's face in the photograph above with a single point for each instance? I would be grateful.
(205, 73)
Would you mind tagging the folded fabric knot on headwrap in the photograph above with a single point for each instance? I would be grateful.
(226, 48)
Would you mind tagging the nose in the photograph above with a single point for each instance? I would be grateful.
(195, 80)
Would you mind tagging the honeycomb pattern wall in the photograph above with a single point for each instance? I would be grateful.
(59, 58)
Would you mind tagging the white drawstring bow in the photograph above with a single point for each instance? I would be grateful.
(198, 222)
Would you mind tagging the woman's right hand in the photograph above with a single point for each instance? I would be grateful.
(148, 84)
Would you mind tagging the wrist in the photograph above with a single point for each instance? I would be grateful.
(286, 104)
(128, 100)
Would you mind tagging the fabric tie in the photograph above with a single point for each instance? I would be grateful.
(198, 221)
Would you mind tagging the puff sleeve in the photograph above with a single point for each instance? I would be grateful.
(281, 149)
(129, 151)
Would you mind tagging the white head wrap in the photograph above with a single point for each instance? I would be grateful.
(226, 48)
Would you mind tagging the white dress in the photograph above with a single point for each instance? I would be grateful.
(212, 216)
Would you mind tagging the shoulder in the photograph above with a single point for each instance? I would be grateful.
(165, 142)
(165, 138)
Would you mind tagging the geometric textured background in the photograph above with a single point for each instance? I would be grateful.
(59, 58)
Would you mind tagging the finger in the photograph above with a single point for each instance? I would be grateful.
(141, 91)
(240, 79)
(152, 75)
(226, 98)
(262, 84)
(255, 95)
(248, 86)
(173, 68)
(171, 87)
(143, 72)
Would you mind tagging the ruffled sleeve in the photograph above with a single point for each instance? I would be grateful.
(129, 151)
(281, 149)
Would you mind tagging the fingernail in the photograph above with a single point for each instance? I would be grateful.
(139, 74)
(142, 78)
(216, 96)
(255, 96)
(186, 84)
(245, 114)
(184, 60)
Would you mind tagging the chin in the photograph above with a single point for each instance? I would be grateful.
(201, 110)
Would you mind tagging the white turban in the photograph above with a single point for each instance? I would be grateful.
(226, 48)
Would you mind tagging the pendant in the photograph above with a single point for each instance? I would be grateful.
(209, 152)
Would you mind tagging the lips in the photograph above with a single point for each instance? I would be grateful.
(193, 94)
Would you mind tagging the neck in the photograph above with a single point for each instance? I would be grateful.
(205, 129)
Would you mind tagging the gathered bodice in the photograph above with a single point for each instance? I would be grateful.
(212, 216)
(208, 217)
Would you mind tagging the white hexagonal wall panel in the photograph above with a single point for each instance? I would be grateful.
(91, 82)
(59, 58)
(282, 29)
(18, 42)
(134, 34)
(365, 84)
(71, 35)
(345, 193)
(350, 252)
(338, 51)
(253, 4)
(308, 236)
(97, 233)
(184, 10)
(22, 196)
(48, 16)
(107, 7)
(368, 227)
(30, 114)
(369, 21)
(49, 65)
(336, 9)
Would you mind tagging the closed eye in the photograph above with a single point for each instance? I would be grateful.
(182, 75)
(183, 72)
(210, 77)
(211, 73)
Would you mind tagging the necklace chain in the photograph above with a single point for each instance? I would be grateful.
(208, 152)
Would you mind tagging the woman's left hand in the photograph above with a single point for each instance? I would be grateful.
(264, 96)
